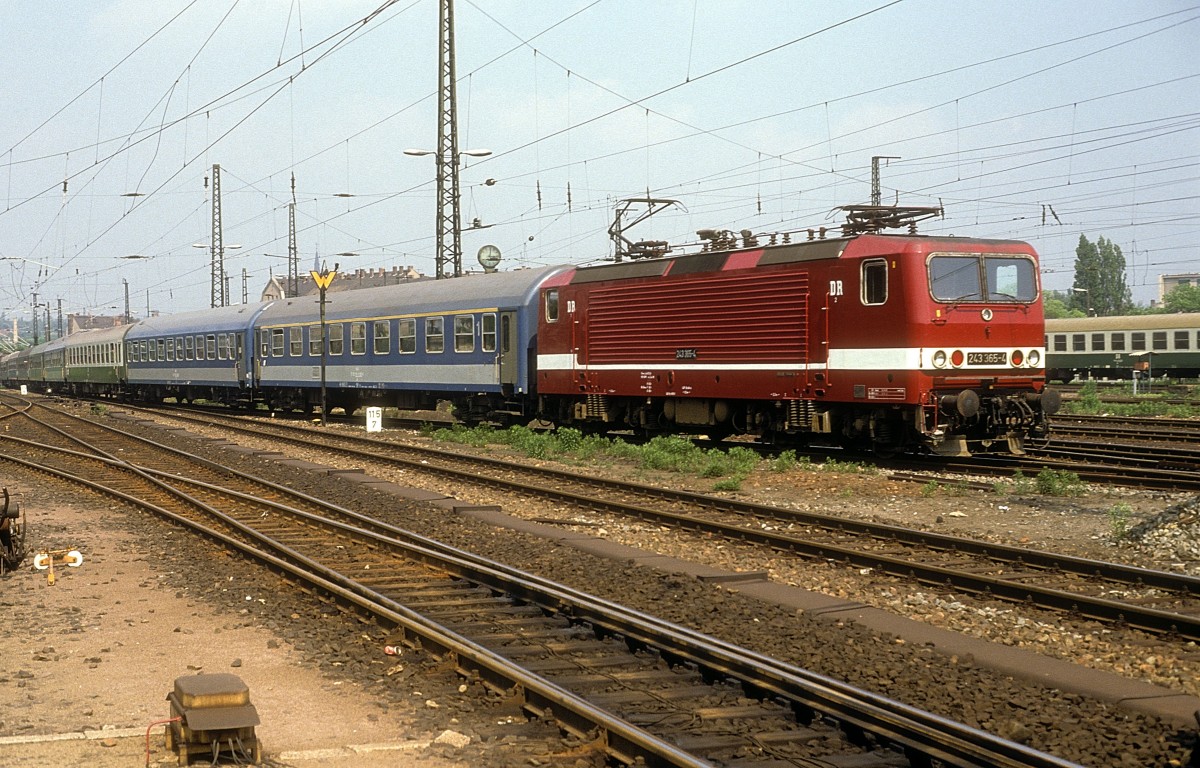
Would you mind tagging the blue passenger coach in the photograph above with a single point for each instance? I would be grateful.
(469, 340)
(193, 355)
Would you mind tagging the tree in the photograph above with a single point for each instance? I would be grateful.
(1183, 298)
(1100, 287)
(1056, 304)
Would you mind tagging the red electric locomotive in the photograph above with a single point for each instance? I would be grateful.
(896, 342)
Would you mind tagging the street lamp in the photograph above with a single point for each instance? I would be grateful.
(1087, 299)
(449, 235)
(220, 282)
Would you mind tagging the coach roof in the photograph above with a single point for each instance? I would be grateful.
(501, 290)
(218, 319)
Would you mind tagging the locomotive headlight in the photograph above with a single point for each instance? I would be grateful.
(1018, 357)
(939, 359)
(1035, 358)
(956, 358)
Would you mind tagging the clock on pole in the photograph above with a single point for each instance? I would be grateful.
(489, 257)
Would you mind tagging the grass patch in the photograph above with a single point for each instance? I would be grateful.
(664, 453)
(1058, 482)
(1049, 482)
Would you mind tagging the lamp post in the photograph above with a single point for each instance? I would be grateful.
(220, 279)
(323, 278)
(449, 235)
(1087, 300)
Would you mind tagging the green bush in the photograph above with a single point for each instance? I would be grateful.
(1118, 520)
(784, 461)
(1058, 482)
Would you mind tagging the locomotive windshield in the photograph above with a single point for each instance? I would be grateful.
(973, 277)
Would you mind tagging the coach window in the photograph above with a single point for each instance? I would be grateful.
(874, 281)
(1181, 340)
(464, 333)
(337, 339)
(488, 332)
(199, 347)
(162, 349)
(552, 305)
(144, 353)
(1159, 341)
(406, 334)
(189, 348)
(1118, 342)
(1097, 342)
(276, 342)
(264, 343)
(435, 340)
(1138, 341)
(314, 341)
(295, 341)
(383, 337)
(358, 338)
(170, 350)
(210, 346)
(179, 355)
(1078, 342)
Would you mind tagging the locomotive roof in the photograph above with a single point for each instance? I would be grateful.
(1123, 323)
(231, 318)
(779, 253)
(474, 291)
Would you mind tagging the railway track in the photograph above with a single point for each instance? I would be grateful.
(1152, 601)
(550, 651)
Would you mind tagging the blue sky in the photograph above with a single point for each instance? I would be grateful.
(1038, 121)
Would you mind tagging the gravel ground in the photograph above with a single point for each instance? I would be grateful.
(1072, 727)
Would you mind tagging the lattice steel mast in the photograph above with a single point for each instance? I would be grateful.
(449, 245)
(218, 247)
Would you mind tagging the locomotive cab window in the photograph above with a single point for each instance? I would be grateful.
(551, 305)
(992, 278)
(874, 281)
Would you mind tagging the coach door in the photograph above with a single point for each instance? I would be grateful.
(508, 351)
